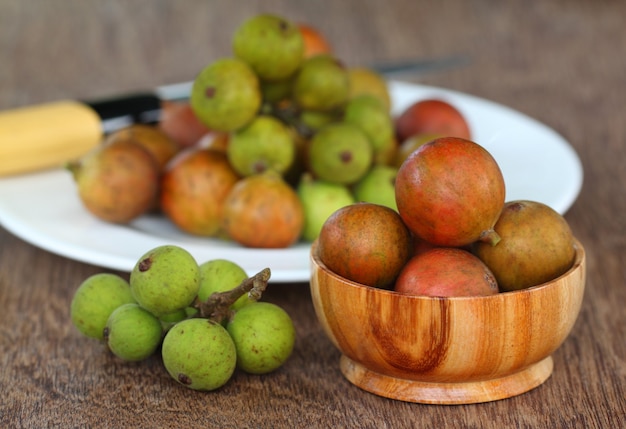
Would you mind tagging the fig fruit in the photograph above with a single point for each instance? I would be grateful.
(450, 192)
(153, 139)
(536, 246)
(319, 200)
(366, 243)
(314, 41)
(193, 191)
(132, 333)
(371, 116)
(264, 144)
(432, 116)
(226, 95)
(271, 45)
(263, 211)
(219, 275)
(199, 354)
(446, 272)
(410, 145)
(366, 81)
(165, 280)
(94, 301)
(340, 153)
(181, 124)
(378, 186)
(321, 84)
(117, 182)
(264, 337)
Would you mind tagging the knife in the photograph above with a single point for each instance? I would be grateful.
(48, 135)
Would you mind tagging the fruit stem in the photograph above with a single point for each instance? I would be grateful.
(217, 306)
(73, 167)
(490, 236)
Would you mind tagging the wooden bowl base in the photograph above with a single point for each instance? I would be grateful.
(447, 393)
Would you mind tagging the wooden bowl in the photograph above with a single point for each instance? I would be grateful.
(437, 350)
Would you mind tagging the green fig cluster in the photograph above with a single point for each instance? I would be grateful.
(309, 118)
(206, 319)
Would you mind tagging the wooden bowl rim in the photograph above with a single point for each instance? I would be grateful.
(579, 260)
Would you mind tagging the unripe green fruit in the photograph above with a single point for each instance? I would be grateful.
(220, 275)
(132, 333)
(320, 199)
(321, 84)
(169, 320)
(367, 112)
(264, 337)
(94, 301)
(378, 187)
(199, 353)
(164, 280)
(226, 95)
(264, 144)
(340, 153)
(271, 45)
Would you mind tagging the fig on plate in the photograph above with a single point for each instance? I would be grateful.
(314, 41)
(263, 211)
(271, 45)
(181, 124)
(118, 181)
(226, 95)
(432, 116)
(366, 81)
(153, 139)
(450, 192)
(193, 191)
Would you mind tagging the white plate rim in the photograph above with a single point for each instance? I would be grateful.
(35, 207)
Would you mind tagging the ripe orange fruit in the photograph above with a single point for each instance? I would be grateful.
(314, 42)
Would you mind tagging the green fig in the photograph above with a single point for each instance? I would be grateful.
(319, 200)
(321, 84)
(368, 112)
(378, 187)
(264, 337)
(165, 280)
(132, 333)
(220, 275)
(226, 95)
(264, 144)
(340, 153)
(271, 45)
(199, 354)
(94, 301)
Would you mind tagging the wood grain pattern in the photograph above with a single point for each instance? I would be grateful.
(447, 350)
(560, 62)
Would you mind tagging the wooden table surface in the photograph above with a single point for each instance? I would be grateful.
(561, 62)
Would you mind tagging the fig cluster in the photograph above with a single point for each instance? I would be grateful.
(206, 319)
(274, 138)
(452, 234)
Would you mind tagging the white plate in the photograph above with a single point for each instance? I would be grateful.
(43, 208)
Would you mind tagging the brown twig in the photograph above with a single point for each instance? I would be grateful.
(217, 306)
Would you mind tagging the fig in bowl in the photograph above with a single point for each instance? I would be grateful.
(446, 350)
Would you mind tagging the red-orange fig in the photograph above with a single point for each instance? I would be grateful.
(450, 192)
(446, 272)
(432, 116)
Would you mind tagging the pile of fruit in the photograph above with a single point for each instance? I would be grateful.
(273, 140)
(206, 319)
(452, 234)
